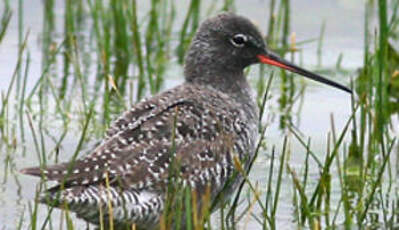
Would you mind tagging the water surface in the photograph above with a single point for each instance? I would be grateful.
(343, 35)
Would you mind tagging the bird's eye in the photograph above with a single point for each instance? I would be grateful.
(239, 40)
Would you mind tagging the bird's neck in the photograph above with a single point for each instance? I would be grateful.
(232, 83)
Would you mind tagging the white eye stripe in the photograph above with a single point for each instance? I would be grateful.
(239, 40)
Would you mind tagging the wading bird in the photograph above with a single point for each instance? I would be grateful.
(211, 117)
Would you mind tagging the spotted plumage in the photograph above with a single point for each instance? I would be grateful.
(204, 124)
(209, 130)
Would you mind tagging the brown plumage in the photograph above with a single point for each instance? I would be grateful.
(136, 153)
(202, 125)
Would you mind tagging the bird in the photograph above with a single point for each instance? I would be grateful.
(206, 124)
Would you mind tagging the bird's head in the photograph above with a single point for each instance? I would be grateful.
(227, 43)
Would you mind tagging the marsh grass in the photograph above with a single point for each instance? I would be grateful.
(5, 19)
(109, 54)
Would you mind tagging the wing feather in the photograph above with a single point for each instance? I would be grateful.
(196, 130)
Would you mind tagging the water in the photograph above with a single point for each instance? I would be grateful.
(343, 35)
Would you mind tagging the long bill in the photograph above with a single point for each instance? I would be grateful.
(273, 59)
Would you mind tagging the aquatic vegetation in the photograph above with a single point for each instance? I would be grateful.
(93, 59)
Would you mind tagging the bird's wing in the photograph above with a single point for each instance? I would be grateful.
(140, 150)
(197, 163)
